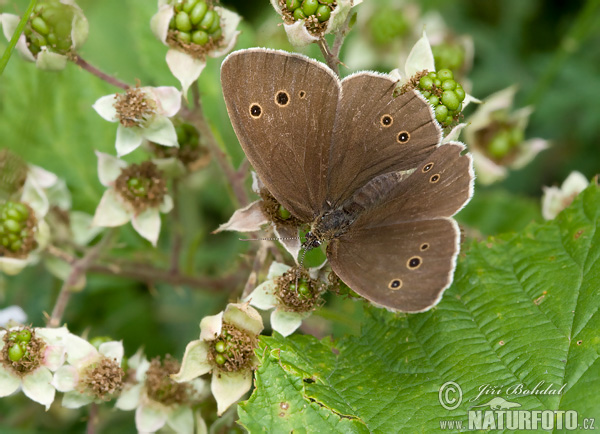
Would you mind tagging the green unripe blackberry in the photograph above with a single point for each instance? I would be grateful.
(441, 113)
(182, 22)
(188, 5)
(283, 213)
(426, 82)
(15, 352)
(450, 100)
(292, 5)
(200, 37)
(309, 7)
(198, 13)
(443, 93)
(220, 359)
(208, 19)
(449, 56)
(445, 74)
(299, 14)
(323, 13)
(50, 26)
(387, 25)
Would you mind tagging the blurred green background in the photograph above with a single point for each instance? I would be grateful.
(551, 49)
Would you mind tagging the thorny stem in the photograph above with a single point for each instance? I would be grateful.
(177, 230)
(95, 71)
(332, 60)
(92, 419)
(78, 269)
(236, 180)
(149, 274)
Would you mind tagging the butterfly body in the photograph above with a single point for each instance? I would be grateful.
(363, 166)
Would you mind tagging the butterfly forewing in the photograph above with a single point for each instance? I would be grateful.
(282, 107)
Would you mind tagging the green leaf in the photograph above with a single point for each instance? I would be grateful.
(523, 310)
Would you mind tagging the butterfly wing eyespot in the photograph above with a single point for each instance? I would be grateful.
(302, 94)
(403, 137)
(395, 284)
(414, 262)
(424, 246)
(255, 110)
(434, 178)
(427, 167)
(386, 121)
(282, 98)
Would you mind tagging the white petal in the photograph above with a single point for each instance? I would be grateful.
(284, 322)
(243, 316)
(147, 224)
(65, 378)
(79, 27)
(150, 418)
(338, 16)
(470, 99)
(167, 204)
(290, 239)
(34, 196)
(575, 183)
(109, 168)
(43, 178)
(275, 4)
(12, 266)
(181, 419)
(228, 387)
(528, 150)
(247, 219)
(194, 363)
(486, 170)
(59, 195)
(263, 297)
(185, 68)
(75, 399)
(128, 139)
(498, 101)
(454, 133)
(161, 130)
(298, 35)
(159, 24)
(210, 327)
(79, 351)
(9, 384)
(257, 184)
(110, 211)
(112, 350)
(168, 99)
(277, 269)
(129, 397)
(50, 61)
(201, 427)
(229, 22)
(37, 387)
(9, 25)
(12, 314)
(419, 58)
(82, 228)
(54, 356)
(105, 107)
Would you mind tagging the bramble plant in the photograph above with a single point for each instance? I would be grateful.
(99, 318)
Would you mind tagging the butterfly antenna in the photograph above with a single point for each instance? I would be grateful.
(269, 239)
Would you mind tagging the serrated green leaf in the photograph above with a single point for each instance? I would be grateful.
(523, 310)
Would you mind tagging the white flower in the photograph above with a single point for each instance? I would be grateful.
(48, 58)
(47, 352)
(91, 374)
(240, 322)
(264, 297)
(503, 147)
(419, 59)
(142, 113)
(114, 210)
(150, 414)
(298, 33)
(11, 315)
(34, 196)
(556, 199)
(253, 216)
(186, 66)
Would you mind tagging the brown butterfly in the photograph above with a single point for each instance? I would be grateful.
(365, 168)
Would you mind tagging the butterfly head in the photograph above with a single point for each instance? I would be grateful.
(311, 242)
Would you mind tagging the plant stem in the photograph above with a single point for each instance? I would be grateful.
(95, 71)
(92, 418)
(78, 270)
(236, 180)
(15, 37)
(177, 229)
(332, 60)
